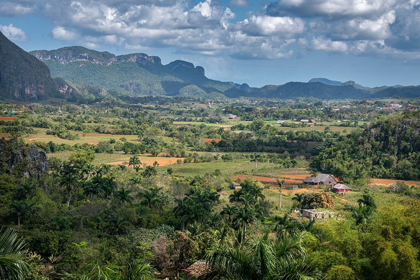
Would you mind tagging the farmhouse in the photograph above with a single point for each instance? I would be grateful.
(321, 178)
(341, 188)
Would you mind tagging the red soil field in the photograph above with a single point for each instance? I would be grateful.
(7, 118)
(266, 180)
(150, 161)
(390, 181)
(209, 140)
(294, 176)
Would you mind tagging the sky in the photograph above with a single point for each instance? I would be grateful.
(372, 42)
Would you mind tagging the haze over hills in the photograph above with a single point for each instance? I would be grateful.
(78, 71)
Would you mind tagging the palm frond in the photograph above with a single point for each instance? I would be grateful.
(12, 264)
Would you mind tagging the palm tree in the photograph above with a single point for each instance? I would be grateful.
(184, 210)
(12, 264)
(68, 180)
(262, 259)
(151, 196)
(136, 271)
(299, 197)
(229, 211)
(135, 162)
(123, 195)
(21, 208)
(243, 216)
(281, 183)
(284, 225)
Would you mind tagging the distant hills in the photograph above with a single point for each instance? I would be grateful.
(141, 74)
(137, 74)
(79, 72)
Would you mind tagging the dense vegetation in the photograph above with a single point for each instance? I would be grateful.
(76, 216)
(108, 223)
(388, 148)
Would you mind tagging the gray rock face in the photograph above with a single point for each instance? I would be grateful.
(22, 159)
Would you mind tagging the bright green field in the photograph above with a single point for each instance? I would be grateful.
(226, 167)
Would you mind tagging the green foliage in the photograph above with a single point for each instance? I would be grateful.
(12, 263)
(388, 148)
(341, 272)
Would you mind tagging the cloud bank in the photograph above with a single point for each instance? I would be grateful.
(284, 28)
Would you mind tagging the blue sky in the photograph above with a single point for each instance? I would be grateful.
(373, 42)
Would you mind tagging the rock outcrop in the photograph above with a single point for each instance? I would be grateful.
(21, 159)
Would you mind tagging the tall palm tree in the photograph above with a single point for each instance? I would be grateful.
(69, 180)
(12, 264)
(281, 183)
(151, 196)
(229, 211)
(299, 197)
(124, 196)
(243, 216)
(21, 208)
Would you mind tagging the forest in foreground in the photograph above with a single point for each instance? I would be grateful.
(76, 218)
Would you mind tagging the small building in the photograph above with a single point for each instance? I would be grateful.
(321, 178)
(340, 188)
(325, 179)
(280, 122)
(235, 186)
(304, 121)
(231, 116)
(309, 181)
(317, 214)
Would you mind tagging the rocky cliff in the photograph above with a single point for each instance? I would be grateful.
(21, 159)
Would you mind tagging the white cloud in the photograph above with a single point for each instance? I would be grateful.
(266, 25)
(240, 3)
(283, 28)
(330, 8)
(323, 44)
(13, 33)
(61, 33)
(8, 8)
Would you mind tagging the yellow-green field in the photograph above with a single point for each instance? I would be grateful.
(120, 158)
(89, 138)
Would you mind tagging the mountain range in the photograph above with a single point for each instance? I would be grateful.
(78, 72)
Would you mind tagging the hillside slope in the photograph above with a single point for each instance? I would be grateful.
(22, 76)
(388, 148)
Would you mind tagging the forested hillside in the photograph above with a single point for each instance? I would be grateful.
(22, 76)
(388, 148)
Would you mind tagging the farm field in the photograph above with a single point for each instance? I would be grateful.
(120, 158)
(89, 138)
